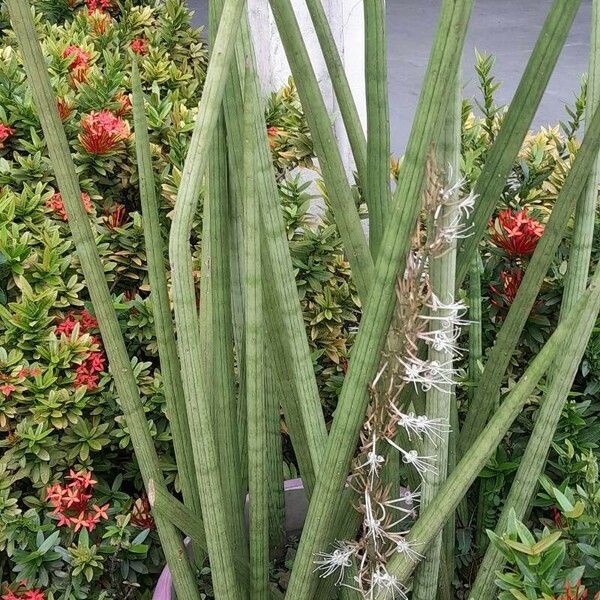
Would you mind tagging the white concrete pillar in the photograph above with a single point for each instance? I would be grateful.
(346, 20)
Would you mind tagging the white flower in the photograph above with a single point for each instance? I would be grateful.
(371, 523)
(453, 225)
(432, 428)
(443, 340)
(339, 560)
(421, 425)
(449, 314)
(427, 374)
(446, 234)
(423, 464)
(403, 546)
(374, 462)
(405, 504)
(385, 586)
(447, 195)
(464, 205)
(409, 497)
(407, 500)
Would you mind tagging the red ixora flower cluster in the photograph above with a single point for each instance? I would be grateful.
(100, 5)
(5, 133)
(23, 594)
(72, 502)
(139, 45)
(79, 62)
(55, 203)
(88, 372)
(511, 281)
(515, 232)
(102, 131)
(87, 322)
(79, 57)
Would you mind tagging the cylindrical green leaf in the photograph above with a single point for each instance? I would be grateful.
(377, 184)
(219, 529)
(256, 400)
(216, 326)
(341, 87)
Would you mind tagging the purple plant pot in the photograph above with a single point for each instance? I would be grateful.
(296, 507)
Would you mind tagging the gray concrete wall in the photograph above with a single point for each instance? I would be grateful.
(506, 28)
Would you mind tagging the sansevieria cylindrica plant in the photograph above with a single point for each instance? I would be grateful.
(386, 476)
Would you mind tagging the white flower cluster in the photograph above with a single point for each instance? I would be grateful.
(448, 319)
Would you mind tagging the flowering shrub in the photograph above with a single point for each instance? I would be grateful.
(102, 132)
(60, 526)
(515, 232)
(84, 538)
(71, 502)
(56, 205)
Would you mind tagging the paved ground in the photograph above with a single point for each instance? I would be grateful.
(506, 28)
